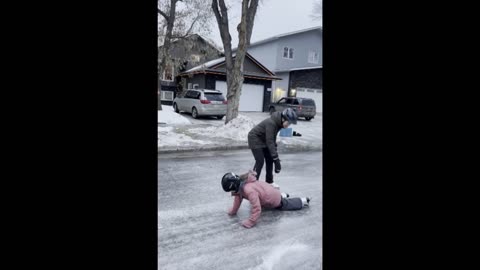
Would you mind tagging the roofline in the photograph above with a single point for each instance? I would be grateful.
(259, 64)
(283, 35)
(295, 69)
(255, 61)
(207, 40)
(272, 78)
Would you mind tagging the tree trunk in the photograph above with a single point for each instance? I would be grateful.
(234, 70)
(159, 96)
(234, 85)
(170, 18)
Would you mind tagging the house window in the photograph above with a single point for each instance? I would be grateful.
(313, 57)
(167, 95)
(287, 52)
(195, 58)
(168, 73)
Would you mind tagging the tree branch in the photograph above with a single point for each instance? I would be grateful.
(163, 14)
(252, 10)
(215, 10)
(191, 26)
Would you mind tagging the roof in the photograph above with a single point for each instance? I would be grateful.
(207, 40)
(206, 65)
(320, 28)
(295, 69)
(211, 67)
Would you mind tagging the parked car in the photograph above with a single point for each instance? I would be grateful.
(304, 107)
(201, 102)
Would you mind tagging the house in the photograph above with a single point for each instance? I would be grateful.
(185, 53)
(257, 85)
(296, 58)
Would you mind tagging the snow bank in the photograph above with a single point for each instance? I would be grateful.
(168, 137)
(237, 129)
(168, 116)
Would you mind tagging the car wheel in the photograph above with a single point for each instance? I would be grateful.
(220, 117)
(308, 118)
(194, 113)
(272, 110)
(175, 108)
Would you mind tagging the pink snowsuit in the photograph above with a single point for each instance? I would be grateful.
(259, 194)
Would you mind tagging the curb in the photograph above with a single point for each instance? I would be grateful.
(200, 148)
(238, 147)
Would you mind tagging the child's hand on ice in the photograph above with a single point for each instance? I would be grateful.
(247, 224)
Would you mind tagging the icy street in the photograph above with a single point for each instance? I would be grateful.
(195, 231)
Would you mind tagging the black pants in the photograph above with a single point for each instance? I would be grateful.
(262, 155)
(290, 204)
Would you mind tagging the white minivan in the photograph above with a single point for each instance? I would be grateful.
(202, 102)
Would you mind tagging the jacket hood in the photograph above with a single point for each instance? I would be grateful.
(252, 176)
(277, 118)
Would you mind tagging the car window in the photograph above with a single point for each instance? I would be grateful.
(192, 94)
(295, 101)
(308, 102)
(188, 94)
(214, 96)
(282, 101)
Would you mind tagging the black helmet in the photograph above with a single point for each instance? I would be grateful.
(230, 182)
(290, 115)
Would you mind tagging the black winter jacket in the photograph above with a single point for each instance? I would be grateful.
(264, 135)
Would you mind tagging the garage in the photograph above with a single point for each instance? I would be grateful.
(315, 94)
(251, 98)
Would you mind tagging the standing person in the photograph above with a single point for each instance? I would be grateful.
(258, 194)
(262, 141)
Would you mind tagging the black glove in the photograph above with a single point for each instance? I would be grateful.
(278, 167)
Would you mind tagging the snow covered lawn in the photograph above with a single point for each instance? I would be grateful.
(237, 129)
(177, 131)
(169, 117)
(168, 137)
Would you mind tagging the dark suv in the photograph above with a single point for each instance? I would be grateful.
(304, 107)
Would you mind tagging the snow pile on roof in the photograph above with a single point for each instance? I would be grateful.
(207, 64)
(237, 129)
(168, 116)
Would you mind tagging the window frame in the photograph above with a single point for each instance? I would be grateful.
(290, 52)
(311, 57)
(173, 75)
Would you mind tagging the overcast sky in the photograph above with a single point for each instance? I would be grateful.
(273, 17)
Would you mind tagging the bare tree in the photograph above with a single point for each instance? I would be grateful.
(317, 11)
(178, 21)
(234, 70)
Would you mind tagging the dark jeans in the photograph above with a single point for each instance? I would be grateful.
(262, 155)
(290, 204)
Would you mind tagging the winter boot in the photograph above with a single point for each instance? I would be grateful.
(285, 195)
(306, 201)
(275, 186)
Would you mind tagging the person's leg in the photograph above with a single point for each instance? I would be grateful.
(259, 160)
(268, 166)
(293, 203)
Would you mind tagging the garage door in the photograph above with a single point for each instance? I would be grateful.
(315, 94)
(251, 98)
